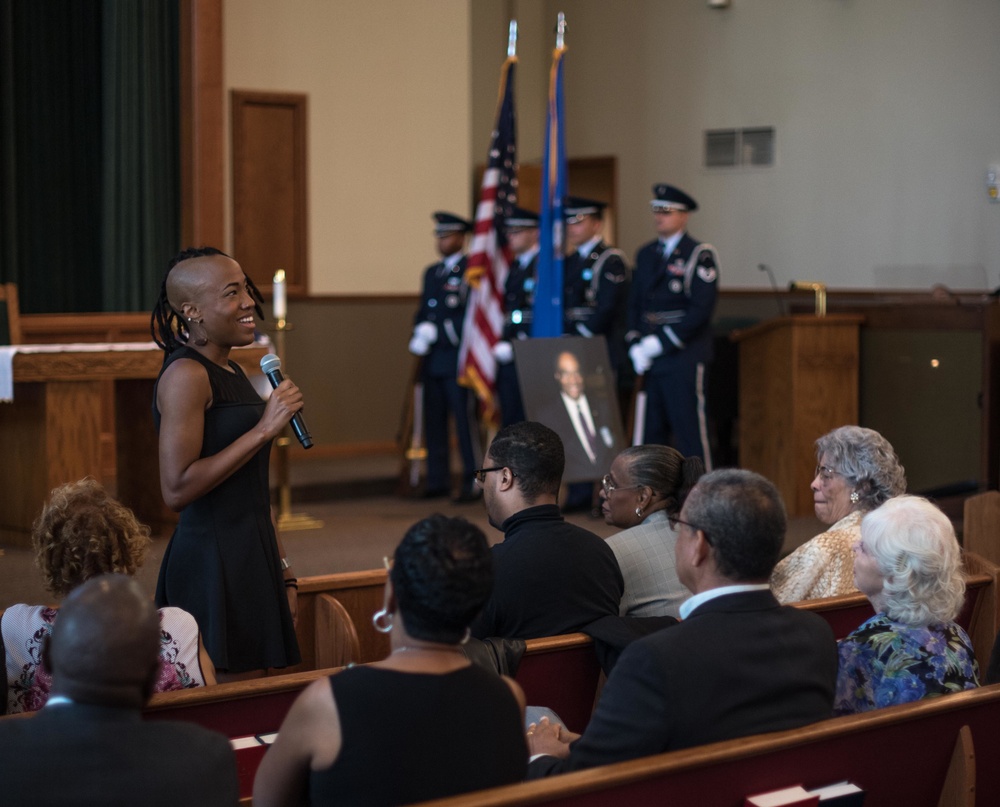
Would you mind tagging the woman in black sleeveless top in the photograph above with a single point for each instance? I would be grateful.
(224, 563)
(423, 723)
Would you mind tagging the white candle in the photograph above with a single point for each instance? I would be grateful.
(279, 302)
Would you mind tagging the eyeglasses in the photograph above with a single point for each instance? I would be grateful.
(826, 473)
(673, 521)
(610, 487)
(666, 211)
(480, 473)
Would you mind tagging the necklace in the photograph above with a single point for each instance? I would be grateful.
(429, 649)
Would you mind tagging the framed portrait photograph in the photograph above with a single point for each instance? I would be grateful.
(567, 384)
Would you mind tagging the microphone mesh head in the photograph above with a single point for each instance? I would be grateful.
(270, 363)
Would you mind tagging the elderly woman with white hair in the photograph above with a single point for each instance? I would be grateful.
(857, 470)
(909, 565)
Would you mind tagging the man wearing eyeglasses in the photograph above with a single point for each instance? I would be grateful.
(549, 576)
(737, 663)
(669, 326)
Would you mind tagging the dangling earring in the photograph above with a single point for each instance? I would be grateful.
(202, 340)
(638, 512)
(377, 621)
(855, 497)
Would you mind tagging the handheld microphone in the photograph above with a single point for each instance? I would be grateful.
(271, 365)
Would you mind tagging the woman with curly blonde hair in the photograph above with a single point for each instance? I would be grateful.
(82, 533)
(908, 563)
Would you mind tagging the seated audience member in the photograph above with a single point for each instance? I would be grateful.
(89, 745)
(738, 662)
(82, 532)
(382, 733)
(645, 489)
(857, 471)
(551, 576)
(908, 564)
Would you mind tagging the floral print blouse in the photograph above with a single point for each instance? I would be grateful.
(884, 663)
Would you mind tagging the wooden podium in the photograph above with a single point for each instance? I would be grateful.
(79, 412)
(798, 380)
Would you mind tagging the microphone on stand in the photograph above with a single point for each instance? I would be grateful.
(271, 365)
(763, 267)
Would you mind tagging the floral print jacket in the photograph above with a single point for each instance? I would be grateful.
(884, 663)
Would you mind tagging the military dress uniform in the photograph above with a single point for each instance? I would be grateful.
(442, 303)
(595, 285)
(673, 298)
(518, 306)
(519, 302)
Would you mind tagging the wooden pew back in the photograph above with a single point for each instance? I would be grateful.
(898, 755)
(560, 672)
(361, 594)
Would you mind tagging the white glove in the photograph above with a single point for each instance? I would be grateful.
(418, 347)
(427, 331)
(503, 352)
(652, 347)
(639, 360)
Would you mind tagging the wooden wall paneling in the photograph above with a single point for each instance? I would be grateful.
(24, 469)
(202, 117)
(269, 187)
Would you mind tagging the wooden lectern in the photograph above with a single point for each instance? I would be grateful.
(76, 413)
(798, 380)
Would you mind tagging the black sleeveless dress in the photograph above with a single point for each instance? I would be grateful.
(409, 737)
(222, 562)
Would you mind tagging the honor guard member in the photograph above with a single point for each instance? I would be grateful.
(437, 334)
(669, 334)
(595, 276)
(519, 299)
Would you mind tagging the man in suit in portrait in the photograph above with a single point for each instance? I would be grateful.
(583, 425)
(89, 744)
(737, 663)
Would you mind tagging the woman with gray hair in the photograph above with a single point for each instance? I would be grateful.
(857, 471)
(909, 565)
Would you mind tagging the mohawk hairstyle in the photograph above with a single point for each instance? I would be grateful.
(166, 325)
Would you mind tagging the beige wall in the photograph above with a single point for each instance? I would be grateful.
(389, 124)
(886, 115)
(885, 110)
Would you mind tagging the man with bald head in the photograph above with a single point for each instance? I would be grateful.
(89, 744)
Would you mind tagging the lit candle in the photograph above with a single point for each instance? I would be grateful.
(279, 303)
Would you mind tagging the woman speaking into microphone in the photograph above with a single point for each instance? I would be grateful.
(224, 563)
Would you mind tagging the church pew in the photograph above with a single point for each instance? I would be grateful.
(899, 755)
(361, 594)
(560, 672)
(979, 615)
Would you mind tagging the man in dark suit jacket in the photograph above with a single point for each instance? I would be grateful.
(738, 663)
(89, 744)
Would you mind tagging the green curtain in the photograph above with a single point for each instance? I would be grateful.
(89, 165)
(141, 177)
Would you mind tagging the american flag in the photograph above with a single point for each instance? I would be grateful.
(491, 257)
(548, 312)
